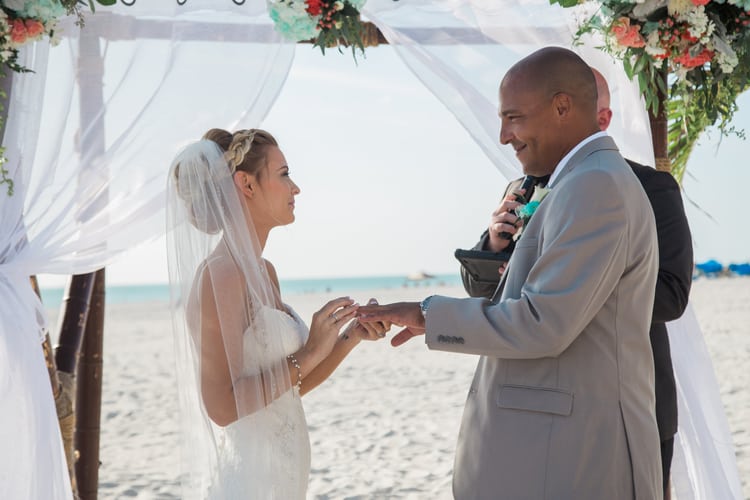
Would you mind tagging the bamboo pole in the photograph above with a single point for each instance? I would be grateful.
(62, 390)
(49, 355)
(6, 86)
(89, 381)
(75, 306)
(73, 323)
(89, 395)
(659, 128)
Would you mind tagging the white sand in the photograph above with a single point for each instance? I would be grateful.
(383, 426)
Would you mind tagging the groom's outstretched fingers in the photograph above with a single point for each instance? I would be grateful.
(406, 314)
(404, 336)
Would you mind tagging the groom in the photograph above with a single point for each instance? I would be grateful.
(562, 402)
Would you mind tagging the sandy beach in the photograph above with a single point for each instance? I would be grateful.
(383, 426)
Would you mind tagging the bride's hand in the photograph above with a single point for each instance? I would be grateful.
(368, 331)
(325, 326)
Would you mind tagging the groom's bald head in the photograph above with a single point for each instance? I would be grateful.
(547, 106)
(553, 70)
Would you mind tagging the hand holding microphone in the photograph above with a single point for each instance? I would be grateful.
(503, 223)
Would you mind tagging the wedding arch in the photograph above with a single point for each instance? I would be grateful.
(91, 131)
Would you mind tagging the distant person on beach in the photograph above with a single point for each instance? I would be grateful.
(672, 283)
(244, 357)
(562, 402)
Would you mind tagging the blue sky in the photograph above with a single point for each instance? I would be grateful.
(392, 184)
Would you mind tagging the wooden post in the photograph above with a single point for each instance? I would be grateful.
(76, 308)
(89, 381)
(6, 86)
(659, 128)
(89, 395)
(72, 326)
(49, 355)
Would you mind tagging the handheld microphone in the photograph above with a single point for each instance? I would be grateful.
(528, 184)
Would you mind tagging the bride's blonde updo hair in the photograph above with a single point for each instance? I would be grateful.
(244, 150)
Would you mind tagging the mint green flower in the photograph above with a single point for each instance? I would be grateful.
(528, 210)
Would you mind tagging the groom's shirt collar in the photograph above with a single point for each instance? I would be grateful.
(570, 154)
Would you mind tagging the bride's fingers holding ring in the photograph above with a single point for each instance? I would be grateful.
(344, 314)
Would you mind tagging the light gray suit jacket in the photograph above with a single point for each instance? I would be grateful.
(562, 402)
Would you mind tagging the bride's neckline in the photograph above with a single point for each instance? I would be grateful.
(286, 311)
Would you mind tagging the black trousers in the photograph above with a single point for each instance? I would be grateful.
(667, 449)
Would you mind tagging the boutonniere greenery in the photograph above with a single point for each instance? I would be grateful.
(528, 209)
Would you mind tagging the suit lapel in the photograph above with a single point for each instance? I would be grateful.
(599, 144)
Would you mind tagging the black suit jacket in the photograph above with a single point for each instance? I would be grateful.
(672, 285)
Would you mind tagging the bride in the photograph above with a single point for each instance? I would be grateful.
(244, 358)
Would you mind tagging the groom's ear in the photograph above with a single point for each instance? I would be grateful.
(562, 104)
(245, 183)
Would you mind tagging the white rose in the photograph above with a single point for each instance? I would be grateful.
(338, 5)
(15, 4)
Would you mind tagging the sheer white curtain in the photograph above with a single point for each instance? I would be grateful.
(89, 139)
(460, 49)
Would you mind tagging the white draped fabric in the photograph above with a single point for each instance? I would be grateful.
(704, 464)
(90, 136)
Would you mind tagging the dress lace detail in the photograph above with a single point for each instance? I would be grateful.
(280, 427)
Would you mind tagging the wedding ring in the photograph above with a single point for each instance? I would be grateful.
(335, 319)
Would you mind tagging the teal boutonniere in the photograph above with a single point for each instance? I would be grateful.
(529, 209)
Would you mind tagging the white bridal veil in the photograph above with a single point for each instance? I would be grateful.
(92, 132)
(231, 360)
(89, 139)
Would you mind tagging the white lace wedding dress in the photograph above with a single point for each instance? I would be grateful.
(280, 429)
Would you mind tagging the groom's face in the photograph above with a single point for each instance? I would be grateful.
(527, 125)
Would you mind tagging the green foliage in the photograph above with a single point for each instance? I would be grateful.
(344, 28)
(704, 81)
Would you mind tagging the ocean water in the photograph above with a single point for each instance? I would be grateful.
(120, 294)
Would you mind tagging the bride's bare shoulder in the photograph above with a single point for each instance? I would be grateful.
(272, 272)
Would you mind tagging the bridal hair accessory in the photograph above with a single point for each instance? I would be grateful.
(240, 146)
(292, 359)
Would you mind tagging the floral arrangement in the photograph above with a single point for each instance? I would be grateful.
(328, 23)
(704, 45)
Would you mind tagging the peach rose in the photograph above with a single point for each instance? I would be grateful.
(620, 28)
(17, 32)
(34, 28)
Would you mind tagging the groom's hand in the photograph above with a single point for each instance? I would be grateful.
(406, 314)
